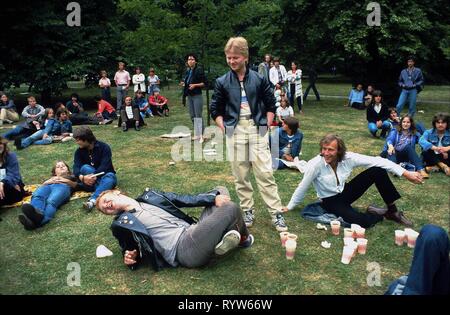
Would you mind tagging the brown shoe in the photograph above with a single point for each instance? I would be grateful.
(432, 169)
(424, 174)
(444, 168)
(374, 210)
(398, 217)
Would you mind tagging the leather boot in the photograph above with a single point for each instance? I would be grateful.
(444, 168)
(374, 210)
(398, 217)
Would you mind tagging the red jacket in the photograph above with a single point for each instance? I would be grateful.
(157, 101)
(104, 105)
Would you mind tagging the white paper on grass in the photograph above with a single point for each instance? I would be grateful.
(102, 251)
(300, 165)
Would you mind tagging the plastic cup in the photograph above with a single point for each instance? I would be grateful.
(355, 228)
(400, 236)
(348, 232)
(348, 241)
(412, 237)
(283, 238)
(291, 245)
(347, 253)
(335, 227)
(362, 245)
(354, 246)
(292, 236)
(360, 232)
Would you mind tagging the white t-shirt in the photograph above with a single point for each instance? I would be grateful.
(245, 107)
(285, 112)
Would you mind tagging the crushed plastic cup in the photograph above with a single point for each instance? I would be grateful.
(335, 227)
(362, 245)
(400, 236)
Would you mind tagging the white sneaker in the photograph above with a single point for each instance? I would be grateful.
(229, 241)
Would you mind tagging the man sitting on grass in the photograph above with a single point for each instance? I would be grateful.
(152, 228)
(329, 171)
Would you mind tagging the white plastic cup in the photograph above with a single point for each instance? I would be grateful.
(348, 241)
(412, 237)
(355, 227)
(348, 232)
(291, 245)
(283, 238)
(335, 227)
(347, 253)
(362, 245)
(400, 236)
(360, 232)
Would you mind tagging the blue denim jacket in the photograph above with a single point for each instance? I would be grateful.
(430, 138)
(284, 140)
(11, 165)
(410, 82)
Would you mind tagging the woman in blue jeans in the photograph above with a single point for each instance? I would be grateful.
(46, 200)
(401, 144)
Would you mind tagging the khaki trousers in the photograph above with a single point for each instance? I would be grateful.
(247, 149)
(8, 114)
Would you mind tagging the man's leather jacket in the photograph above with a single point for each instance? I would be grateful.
(132, 234)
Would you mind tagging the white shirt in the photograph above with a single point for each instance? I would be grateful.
(377, 108)
(321, 175)
(273, 74)
(139, 82)
(285, 112)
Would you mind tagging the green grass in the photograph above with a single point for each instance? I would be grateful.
(36, 262)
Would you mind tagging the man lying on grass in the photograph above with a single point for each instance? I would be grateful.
(328, 172)
(152, 228)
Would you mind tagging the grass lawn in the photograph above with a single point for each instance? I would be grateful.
(36, 262)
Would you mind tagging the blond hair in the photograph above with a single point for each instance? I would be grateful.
(237, 45)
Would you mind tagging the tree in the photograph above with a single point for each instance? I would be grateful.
(42, 50)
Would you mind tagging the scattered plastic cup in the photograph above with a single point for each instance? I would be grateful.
(291, 245)
(348, 241)
(412, 237)
(283, 238)
(362, 245)
(360, 232)
(292, 236)
(335, 227)
(348, 232)
(400, 236)
(347, 253)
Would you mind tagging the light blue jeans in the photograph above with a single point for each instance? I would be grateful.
(385, 127)
(105, 182)
(410, 96)
(48, 198)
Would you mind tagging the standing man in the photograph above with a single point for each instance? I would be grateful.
(328, 172)
(312, 77)
(264, 67)
(278, 74)
(243, 103)
(91, 159)
(411, 83)
(193, 83)
(122, 79)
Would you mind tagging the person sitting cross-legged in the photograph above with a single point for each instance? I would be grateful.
(288, 139)
(129, 115)
(158, 103)
(92, 165)
(153, 229)
(378, 115)
(142, 103)
(401, 145)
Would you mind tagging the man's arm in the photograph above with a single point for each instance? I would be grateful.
(419, 80)
(106, 160)
(25, 112)
(186, 201)
(269, 100)
(400, 80)
(302, 188)
(217, 106)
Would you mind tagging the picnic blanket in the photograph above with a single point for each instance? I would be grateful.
(316, 213)
(29, 189)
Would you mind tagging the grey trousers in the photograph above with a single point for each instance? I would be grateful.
(121, 94)
(195, 105)
(197, 244)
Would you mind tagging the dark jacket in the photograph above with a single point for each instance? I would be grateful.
(132, 234)
(226, 100)
(11, 166)
(198, 76)
(373, 116)
(100, 159)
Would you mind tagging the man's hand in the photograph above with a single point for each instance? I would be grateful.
(413, 177)
(379, 123)
(391, 149)
(288, 157)
(221, 200)
(192, 86)
(2, 190)
(284, 209)
(129, 258)
(89, 179)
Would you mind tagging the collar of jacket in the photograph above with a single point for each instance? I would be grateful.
(247, 70)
